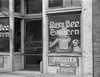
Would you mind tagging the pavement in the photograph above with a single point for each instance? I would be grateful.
(32, 74)
(10, 75)
(26, 75)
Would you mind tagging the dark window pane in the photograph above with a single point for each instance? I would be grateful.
(34, 44)
(62, 32)
(55, 3)
(17, 6)
(4, 40)
(68, 3)
(34, 51)
(17, 35)
(4, 4)
(33, 6)
(34, 31)
(34, 47)
(76, 2)
(33, 59)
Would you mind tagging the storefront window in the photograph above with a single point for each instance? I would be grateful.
(4, 5)
(64, 33)
(17, 35)
(64, 3)
(4, 34)
(33, 6)
(17, 6)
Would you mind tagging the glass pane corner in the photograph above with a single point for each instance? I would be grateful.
(17, 6)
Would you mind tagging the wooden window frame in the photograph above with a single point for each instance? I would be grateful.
(45, 13)
(64, 6)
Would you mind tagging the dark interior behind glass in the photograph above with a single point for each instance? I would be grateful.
(17, 35)
(4, 41)
(4, 5)
(55, 3)
(33, 6)
(17, 6)
(33, 44)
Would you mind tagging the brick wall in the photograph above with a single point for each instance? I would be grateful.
(96, 36)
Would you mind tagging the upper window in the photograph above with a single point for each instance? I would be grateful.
(54, 3)
(4, 34)
(17, 5)
(4, 5)
(33, 6)
(64, 3)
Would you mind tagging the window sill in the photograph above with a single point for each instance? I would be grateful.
(60, 10)
(18, 53)
(4, 53)
(65, 54)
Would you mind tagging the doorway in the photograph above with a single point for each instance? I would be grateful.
(33, 44)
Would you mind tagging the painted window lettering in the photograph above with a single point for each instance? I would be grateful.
(4, 34)
(62, 33)
(54, 32)
(67, 70)
(65, 59)
(4, 27)
(66, 24)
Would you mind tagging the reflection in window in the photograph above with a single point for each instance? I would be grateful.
(68, 3)
(34, 31)
(4, 40)
(33, 6)
(33, 59)
(54, 3)
(4, 5)
(17, 6)
(64, 3)
(17, 35)
(76, 2)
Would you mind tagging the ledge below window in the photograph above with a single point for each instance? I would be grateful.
(4, 53)
(65, 54)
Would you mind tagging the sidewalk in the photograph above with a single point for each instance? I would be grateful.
(35, 75)
(32, 74)
(26, 74)
(9, 75)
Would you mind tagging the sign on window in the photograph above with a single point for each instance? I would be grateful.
(67, 70)
(63, 61)
(4, 34)
(64, 32)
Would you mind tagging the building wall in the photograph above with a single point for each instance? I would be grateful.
(96, 36)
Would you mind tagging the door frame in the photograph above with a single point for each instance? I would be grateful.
(25, 20)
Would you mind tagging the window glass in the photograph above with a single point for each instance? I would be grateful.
(55, 3)
(64, 3)
(17, 35)
(68, 3)
(33, 59)
(33, 6)
(64, 32)
(76, 2)
(4, 5)
(17, 6)
(4, 35)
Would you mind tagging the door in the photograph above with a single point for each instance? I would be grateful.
(33, 44)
